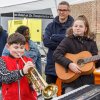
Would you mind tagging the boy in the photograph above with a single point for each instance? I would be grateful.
(15, 84)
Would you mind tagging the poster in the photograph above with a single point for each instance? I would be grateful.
(35, 26)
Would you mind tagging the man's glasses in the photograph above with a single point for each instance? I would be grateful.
(63, 10)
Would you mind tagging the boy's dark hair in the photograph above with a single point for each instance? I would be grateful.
(21, 29)
(16, 38)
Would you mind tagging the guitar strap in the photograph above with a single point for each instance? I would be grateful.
(59, 85)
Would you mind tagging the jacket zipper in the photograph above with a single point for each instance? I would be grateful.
(5, 94)
(19, 96)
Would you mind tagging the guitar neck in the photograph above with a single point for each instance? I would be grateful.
(93, 58)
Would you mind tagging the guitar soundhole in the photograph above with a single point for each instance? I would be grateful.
(80, 62)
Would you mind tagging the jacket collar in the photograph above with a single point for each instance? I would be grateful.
(70, 19)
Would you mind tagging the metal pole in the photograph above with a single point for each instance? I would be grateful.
(13, 16)
(0, 18)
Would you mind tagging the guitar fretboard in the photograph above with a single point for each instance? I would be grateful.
(90, 59)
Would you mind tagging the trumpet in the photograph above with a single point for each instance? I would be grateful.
(48, 90)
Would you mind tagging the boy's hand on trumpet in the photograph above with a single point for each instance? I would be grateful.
(28, 65)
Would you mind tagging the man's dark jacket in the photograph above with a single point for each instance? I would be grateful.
(54, 34)
(3, 40)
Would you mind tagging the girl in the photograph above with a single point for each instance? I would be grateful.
(79, 39)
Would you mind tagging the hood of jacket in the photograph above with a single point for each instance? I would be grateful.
(69, 20)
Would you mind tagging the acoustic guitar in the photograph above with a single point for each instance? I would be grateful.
(83, 59)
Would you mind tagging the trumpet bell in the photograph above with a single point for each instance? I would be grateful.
(49, 91)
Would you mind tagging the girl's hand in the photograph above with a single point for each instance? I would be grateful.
(74, 67)
(27, 66)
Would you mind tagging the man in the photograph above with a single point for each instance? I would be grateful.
(3, 39)
(54, 33)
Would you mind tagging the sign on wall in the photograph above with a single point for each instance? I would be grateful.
(35, 26)
(27, 15)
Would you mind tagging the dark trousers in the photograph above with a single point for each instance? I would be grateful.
(51, 79)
